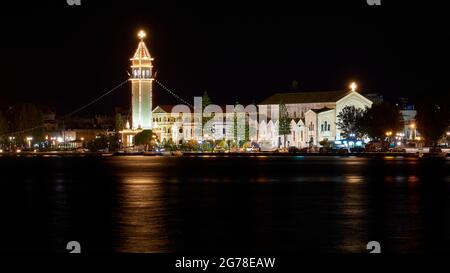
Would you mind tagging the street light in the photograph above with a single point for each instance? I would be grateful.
(29, 139)
(353, 86)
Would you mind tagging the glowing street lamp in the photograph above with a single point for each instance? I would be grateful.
(353, 86)
(29, 139)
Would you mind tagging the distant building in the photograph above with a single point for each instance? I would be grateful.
(73, 138)
(376, 98)
(49, 117)
(408, 112)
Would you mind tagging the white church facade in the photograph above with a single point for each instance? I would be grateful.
(313, 116)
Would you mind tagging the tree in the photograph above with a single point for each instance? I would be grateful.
(325, 143)
(284, 125)
(170, 145)
(119, 125)
(381, 118)
(191, 145)
(206, 100)
(432, 120)
(295, 85)
(144, 138)
(350, 121)
(240, 124)
(97, 144)
(222, 144)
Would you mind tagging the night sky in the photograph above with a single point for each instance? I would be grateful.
(63, 57)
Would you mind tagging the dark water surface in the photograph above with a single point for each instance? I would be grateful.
(223, 204)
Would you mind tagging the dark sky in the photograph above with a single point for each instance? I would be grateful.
(64, 56)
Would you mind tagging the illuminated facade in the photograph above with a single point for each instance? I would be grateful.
(313, 117)
(313, 114)
(141, 87)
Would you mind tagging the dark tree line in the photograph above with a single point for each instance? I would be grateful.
(373, 122)
(432, 120)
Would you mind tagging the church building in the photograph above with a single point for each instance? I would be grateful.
(313, 115)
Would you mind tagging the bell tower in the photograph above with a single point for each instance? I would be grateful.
(141, 86)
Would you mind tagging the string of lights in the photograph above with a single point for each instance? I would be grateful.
(172, 93)
(69, 114)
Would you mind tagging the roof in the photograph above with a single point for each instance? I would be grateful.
(305, 97)
(317, 111)
(141, 52)
(165, 107)
(168, 108)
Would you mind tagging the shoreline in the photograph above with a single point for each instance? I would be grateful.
(231, 154)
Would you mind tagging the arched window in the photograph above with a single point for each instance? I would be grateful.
(325, 126)
(329, 127)
(321, 128)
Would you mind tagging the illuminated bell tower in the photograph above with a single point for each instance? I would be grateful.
(141, 86)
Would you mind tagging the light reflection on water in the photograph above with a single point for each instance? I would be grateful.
(143, 207)
(140, 217)
(297, 204)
